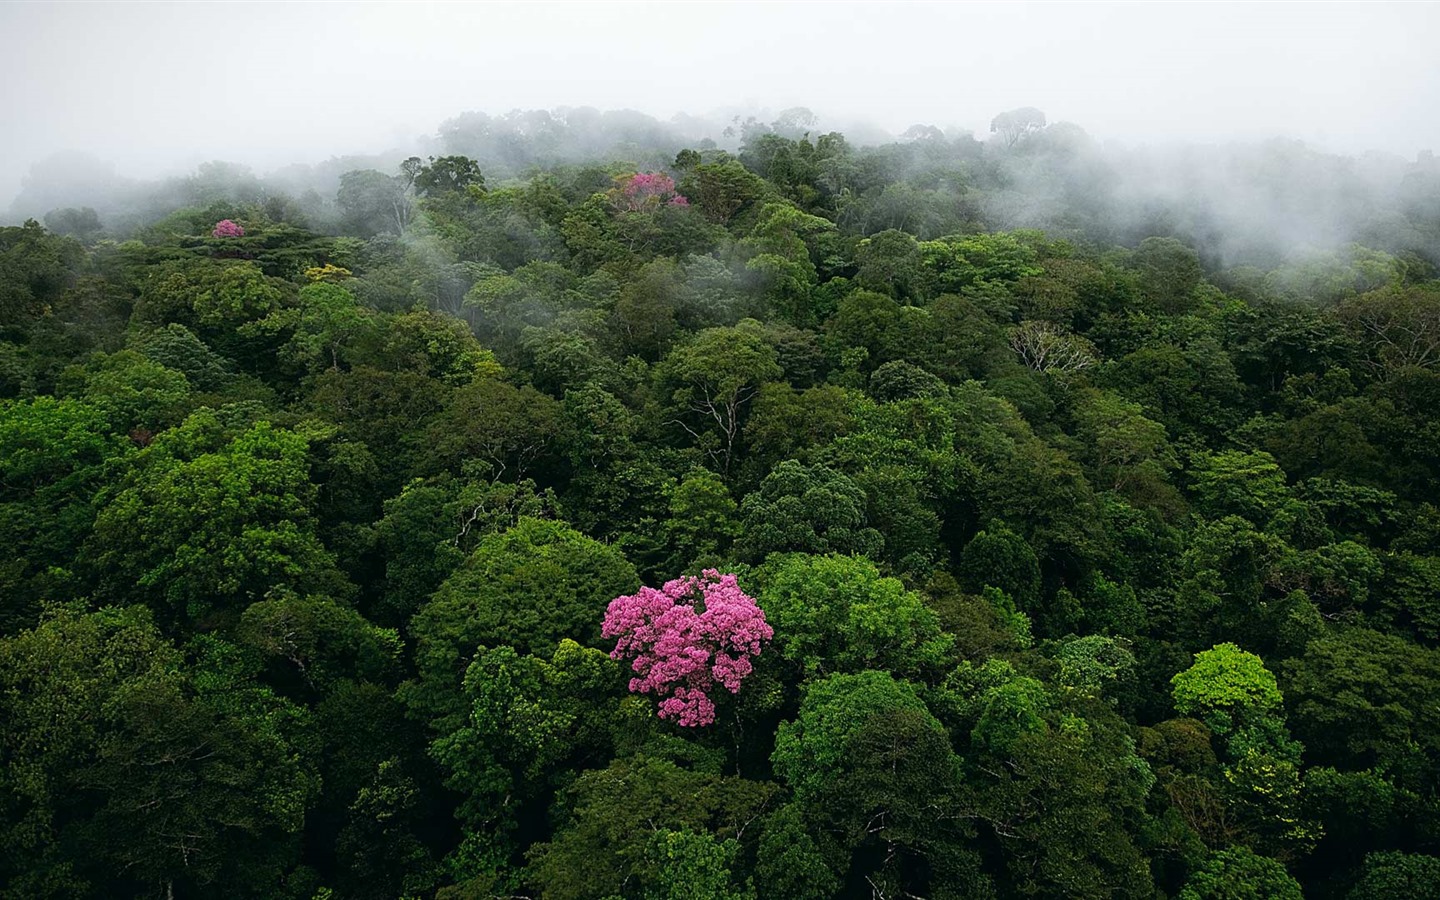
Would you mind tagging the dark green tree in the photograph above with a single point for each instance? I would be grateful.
(809, 509)
(528, 587)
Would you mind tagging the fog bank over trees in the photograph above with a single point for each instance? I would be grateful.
(160, 88)
(1254, 203)
(1277, 127)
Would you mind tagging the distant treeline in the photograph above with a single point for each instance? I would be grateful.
(1236, 204)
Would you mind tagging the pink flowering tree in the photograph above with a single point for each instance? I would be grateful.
(645, 191)
(227, 229)
(685, 638)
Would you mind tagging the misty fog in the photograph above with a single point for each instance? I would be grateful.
(1283, 126)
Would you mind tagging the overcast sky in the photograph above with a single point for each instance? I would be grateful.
(157, 87)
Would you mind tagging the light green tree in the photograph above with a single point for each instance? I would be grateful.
(1225, 686)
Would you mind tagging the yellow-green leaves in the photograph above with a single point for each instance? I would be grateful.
(1224, 682)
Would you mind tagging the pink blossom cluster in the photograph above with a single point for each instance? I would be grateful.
(646, 190)
(649, 184)
(227, 229)
(686, 637)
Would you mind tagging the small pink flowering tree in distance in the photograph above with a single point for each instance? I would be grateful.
(685, 638)
(645, 191)
(227, 229)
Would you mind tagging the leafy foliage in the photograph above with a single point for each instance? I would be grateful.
(1062, 562)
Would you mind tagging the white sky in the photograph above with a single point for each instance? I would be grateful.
(158, 87)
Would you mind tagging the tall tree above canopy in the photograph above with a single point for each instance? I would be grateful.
(1017, 123)
(711, 380)
(1400, 325)
(374, 202)
(447, 175)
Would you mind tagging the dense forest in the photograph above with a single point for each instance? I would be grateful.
(578, 512)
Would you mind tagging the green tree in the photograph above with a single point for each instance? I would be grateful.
(1226, 686)
(899, 380)
(380, 849)
(875, 769)
(1394, 874)
(964, 340)
(447, 175)
(215, 299)
(709, 382)
(790, 861)
(531, 722)
(318, 641)
(176, 347)
(511, 428)
(323, 328)
(837, 614)
(784, 422)
(1190, 390)
(123, 774)
(704, 519)
(1399, 325)
(1036, 772)
(724, 189)
(373, 202)
(1066, 808)
(1358, 698)
(785, 243)
(1092, 664)
(1238, 874)
(690, 866)
(83, 223)
(1169, 273)
(890, 263)
(133, 391)
(1236, 483)
(210, 520)
(54, 456)
(959, 262)
(809, 509)
(1017, 123)
(880, 326)
(35, 267)
(644, 314)
(528, 587)
(1128, 452)
(811, 751)
(1000, 558)
(1410, 591)
(435, 345)
(1222, 575)
(384, 410)
(610, 821)
(431, 526)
